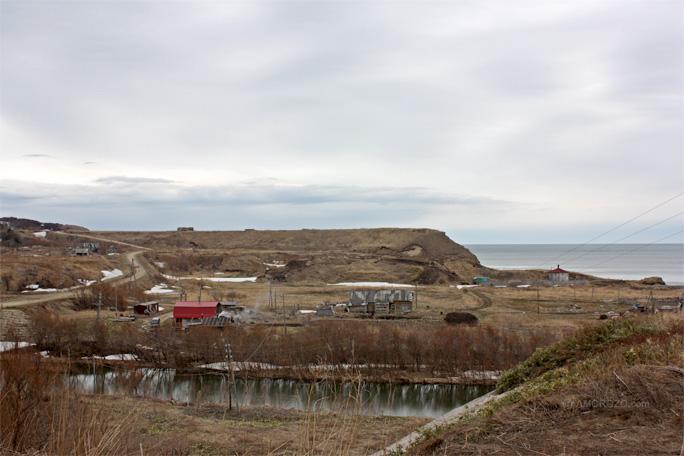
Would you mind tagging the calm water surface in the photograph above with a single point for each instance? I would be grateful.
(615, 261)
(365, 398)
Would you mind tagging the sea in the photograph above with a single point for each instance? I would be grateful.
(615, 261)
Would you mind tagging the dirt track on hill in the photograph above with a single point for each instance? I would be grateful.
(136, 258)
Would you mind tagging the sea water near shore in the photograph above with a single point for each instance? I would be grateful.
(615, 261)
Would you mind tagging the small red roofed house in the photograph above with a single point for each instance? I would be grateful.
(559, 275)
(187, 312)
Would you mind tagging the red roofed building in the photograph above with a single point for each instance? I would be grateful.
(185, 312)
(559, 275)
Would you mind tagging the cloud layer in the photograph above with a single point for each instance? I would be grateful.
(558, 119)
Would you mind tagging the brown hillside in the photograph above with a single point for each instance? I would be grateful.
(384, 254)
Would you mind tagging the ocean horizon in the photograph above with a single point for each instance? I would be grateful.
(614, 261)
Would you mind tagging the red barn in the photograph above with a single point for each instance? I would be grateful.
(185, 312)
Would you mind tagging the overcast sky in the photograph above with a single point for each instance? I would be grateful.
(495, 122)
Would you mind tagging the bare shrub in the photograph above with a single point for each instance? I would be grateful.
(40, 415)
(462, 318)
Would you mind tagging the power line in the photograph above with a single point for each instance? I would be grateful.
(603, 246)
(620, 225)
(635, 249)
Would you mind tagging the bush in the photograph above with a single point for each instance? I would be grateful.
(461, 318)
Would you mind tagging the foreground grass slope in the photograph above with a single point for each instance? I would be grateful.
(615, 388)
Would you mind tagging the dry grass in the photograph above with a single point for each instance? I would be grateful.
(39, 416)
(620, 391)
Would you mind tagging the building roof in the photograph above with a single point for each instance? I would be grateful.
(195, 309)
(558, 270)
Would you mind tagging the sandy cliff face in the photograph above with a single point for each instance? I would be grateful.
(385, 254)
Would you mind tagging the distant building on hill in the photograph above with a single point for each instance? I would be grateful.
(185, 228)
(559, 275)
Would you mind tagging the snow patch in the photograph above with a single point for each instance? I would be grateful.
(40, 234)
(460, 287)
(9, 345)
(214, 279)
(162, 288)
(372, 284)
(113, 274)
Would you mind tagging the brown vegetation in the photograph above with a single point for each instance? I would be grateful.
(616, 388)
(39, 415)
(439, 350)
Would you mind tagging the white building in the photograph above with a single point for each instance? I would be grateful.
(559, 275)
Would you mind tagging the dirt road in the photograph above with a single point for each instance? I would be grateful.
(135, 260)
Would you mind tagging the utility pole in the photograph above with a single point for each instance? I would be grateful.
(99, 304)
(231, 388)
(415, 297)
(200, 292)
(650, 300)
(133, 279)
(538, 312)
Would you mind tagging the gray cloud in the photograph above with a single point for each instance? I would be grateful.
(574, 108)
(109, 180)
(37, 156)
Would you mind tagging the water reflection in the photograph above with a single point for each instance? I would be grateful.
(342, 397)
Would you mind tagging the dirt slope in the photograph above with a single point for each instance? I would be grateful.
(392, 254)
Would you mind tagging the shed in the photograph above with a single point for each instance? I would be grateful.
(481, 280)
(146, 308)
(558, 275)
(187, 312)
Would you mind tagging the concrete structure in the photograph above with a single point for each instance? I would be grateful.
(146, 308)
(185, 228)
(378, 302)
(86, 248)
(559, 275)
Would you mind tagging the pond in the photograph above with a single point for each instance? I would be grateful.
(342, 397)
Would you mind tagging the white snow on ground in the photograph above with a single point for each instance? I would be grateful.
(121, 357)
(214, 279)
(9, 345)
(466, 286)
(33, 286)
(162, 288)
(306, 312)
(113, 274)
(117, 357)
(372, 284)
(160, 264)
(524, 286)
(275, 265)
(86, 282)
(223, 366)
(40, 234)
(231, 279)
(41, 290)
